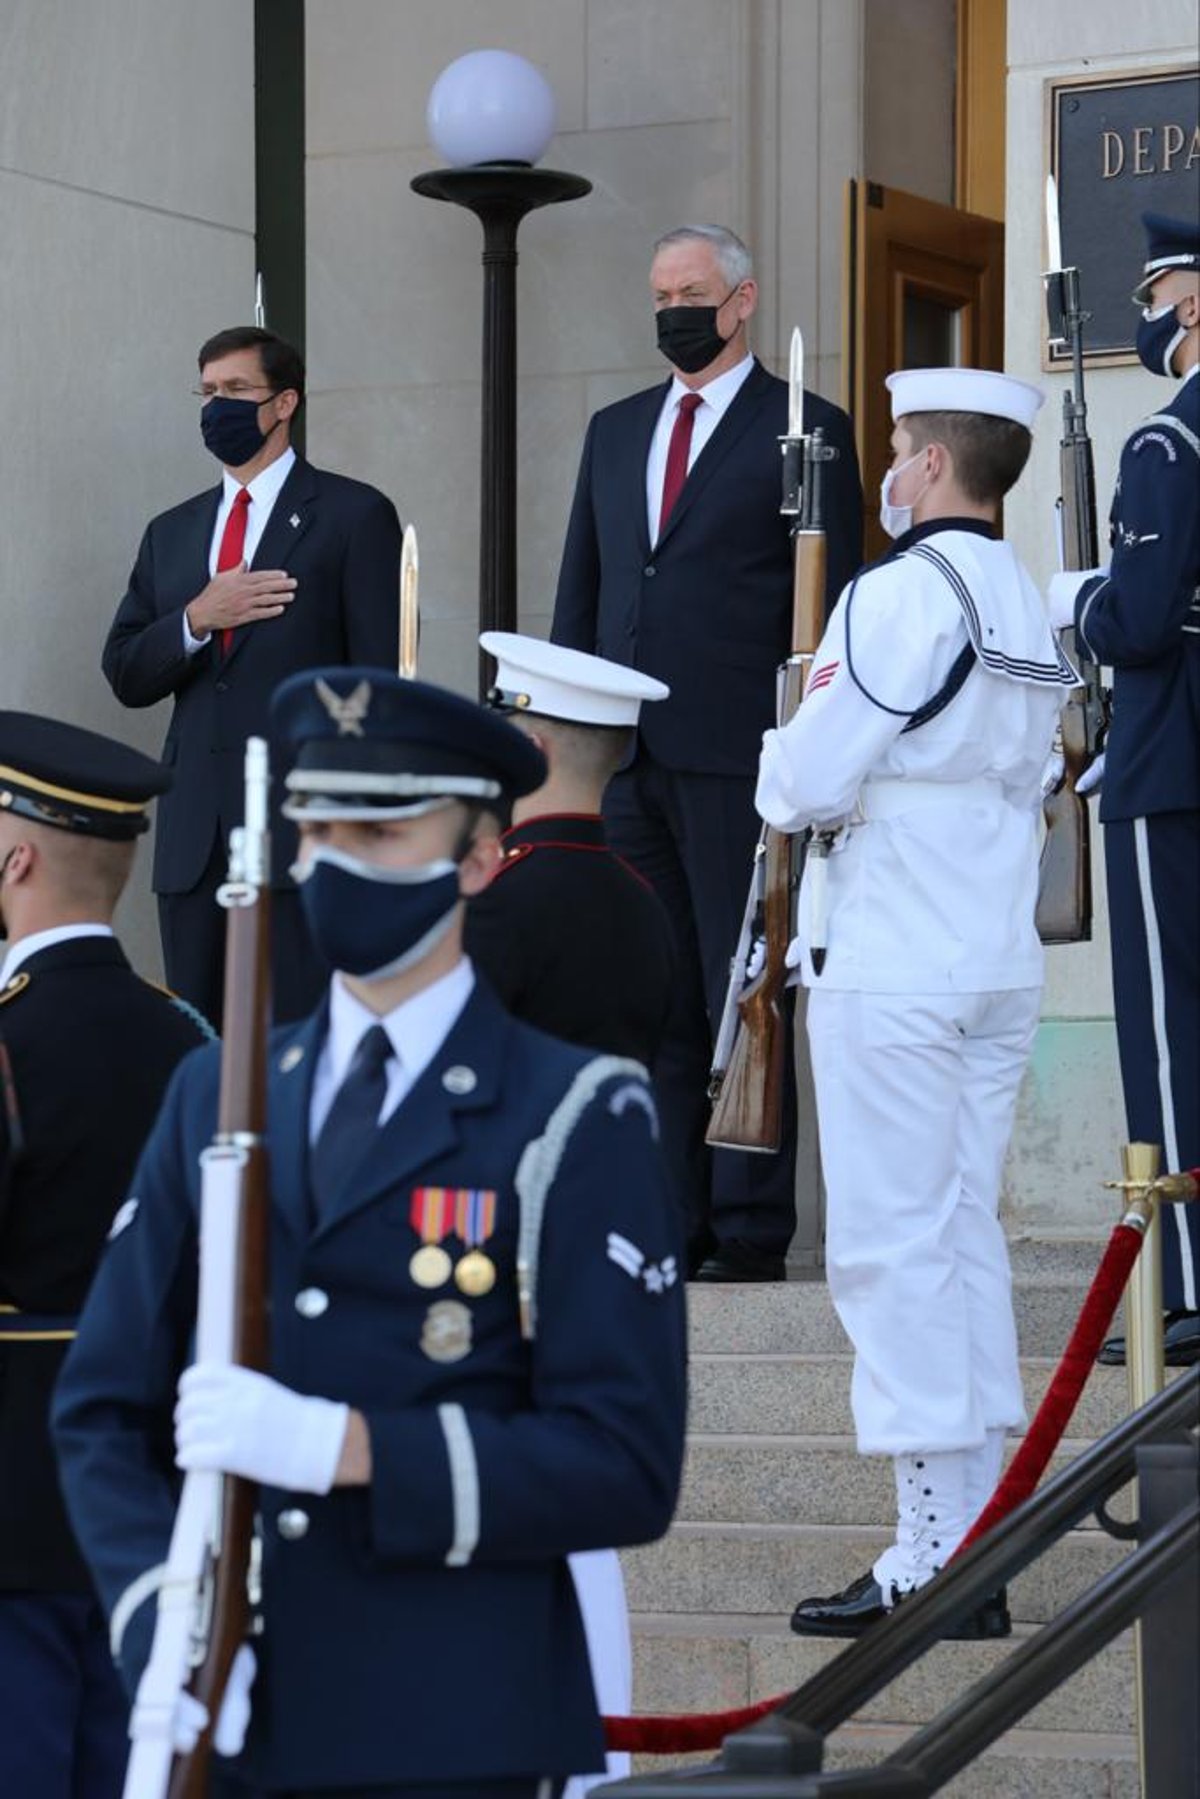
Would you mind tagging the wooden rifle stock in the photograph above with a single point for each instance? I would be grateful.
(241, 1119)
(208, 1585)
(748, 1105)
(1064, 902)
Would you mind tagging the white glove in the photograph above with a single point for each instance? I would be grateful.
(1052, 774)
(1062, 592)
(234, 1421)
(1092, 777)
(191, 1717)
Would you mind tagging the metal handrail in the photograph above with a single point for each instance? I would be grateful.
(782, 1752)
(867, 1665)
(938, 1751)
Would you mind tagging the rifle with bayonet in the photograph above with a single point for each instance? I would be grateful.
(1064, 903)
(753, 1043)
(208, 1588)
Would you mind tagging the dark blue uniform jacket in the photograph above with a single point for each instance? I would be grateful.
(380, 1662)
(1144, 617)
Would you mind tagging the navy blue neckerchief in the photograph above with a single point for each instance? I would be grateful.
(963, 663)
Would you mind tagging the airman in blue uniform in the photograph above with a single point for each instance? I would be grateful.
(86, 1050)
(1142, 617)
(477, 1351)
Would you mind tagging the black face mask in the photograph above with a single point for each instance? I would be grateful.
(688, 335)
(230, 430)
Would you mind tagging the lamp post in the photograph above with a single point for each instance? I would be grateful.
(491, 115)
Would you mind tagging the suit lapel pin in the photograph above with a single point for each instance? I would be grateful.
(291, 1058)
(294, 520)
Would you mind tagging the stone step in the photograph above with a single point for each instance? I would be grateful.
(711, 1663)
(763, 1569)
(1026, 1764)
(797, 1317)
(762, 1394)
(799, 1479)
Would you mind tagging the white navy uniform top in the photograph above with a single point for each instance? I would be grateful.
(932, 882)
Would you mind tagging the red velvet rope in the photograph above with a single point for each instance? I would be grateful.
(677, 1734)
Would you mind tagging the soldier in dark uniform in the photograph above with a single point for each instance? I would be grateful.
(576, 942)
(436, 1432)
(572, 938)
(86, 1049)
(1142, 616)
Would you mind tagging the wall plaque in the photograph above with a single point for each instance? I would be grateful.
(1119, 146)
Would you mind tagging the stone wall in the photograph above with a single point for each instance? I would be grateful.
(127, 222)
(746, 112)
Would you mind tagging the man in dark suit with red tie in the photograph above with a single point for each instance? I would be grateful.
(280, 568)
(678, 562)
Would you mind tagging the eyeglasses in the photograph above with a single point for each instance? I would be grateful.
(230, 390)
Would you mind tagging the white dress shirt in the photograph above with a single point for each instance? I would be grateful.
(264, 491)
(715, 397)
(29, 946)
(417, 1029)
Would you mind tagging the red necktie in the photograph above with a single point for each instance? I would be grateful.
(677, 457)
(233, 547)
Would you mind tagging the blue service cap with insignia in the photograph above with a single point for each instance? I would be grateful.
(75, 780)
(1170, 244)
(364, 743)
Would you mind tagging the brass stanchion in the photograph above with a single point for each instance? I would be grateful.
(1144, 1299)
(1143, 1346)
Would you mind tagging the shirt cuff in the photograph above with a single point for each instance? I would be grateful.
(192, 644)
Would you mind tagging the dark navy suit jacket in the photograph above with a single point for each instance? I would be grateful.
(341, 541)
(380, 1662)
(1144, 617)
(709, 608)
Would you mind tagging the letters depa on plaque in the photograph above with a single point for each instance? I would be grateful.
(1119, 146)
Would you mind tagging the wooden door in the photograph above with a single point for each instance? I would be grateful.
(924, 289)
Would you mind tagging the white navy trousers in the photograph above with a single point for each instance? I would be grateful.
(916, 1095)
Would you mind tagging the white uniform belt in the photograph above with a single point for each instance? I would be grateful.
(889, 797)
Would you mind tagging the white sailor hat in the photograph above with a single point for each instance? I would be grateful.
(556, 682)
(964, 390)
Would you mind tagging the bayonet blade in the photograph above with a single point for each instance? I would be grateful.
(796, 385)
(409, 614)
(260, 305)
(1053, 232)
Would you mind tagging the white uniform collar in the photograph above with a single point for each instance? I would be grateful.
(24, 947)
(417, 1028)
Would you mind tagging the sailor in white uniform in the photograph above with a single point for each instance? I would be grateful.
(918, 751)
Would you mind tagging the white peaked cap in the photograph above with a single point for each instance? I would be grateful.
(547, 678)
(964, 390)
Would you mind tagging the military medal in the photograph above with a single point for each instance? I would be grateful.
(446, 1333)
(430, 1214)
(474, 1222)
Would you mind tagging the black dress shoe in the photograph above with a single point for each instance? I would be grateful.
(861, 1604)
(741, 1262)
(700, 1246)
(1181, 1342)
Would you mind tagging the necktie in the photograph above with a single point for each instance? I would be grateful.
(354, 1115)
(677, 457)
(233, 547)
